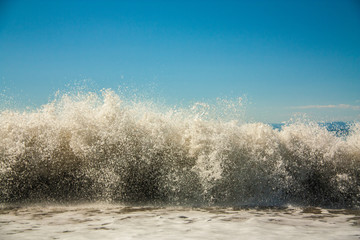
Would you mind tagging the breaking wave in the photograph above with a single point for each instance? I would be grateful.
(96, 147)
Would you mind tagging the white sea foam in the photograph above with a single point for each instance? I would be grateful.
(102, 147)
(101, 221)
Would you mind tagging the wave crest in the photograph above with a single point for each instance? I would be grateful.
(98, 147)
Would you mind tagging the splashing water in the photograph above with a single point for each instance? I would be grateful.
(92, 147)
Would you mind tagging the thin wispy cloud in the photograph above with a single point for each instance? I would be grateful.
(330, 106)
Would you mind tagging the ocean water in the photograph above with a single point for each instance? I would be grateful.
(93, 165)
(108, 221)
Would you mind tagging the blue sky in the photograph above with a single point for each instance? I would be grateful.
(284, 56)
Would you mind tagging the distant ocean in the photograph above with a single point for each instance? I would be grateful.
(96, 159)
(339, 128)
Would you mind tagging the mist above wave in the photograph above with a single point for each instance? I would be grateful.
(101, 148)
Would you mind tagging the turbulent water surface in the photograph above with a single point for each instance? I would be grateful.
(98, 148)
(99, 221)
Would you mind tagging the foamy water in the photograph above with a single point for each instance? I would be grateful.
(150, 172)
(119, 222)
(91, 147)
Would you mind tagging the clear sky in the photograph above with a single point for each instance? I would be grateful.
(284, 56)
